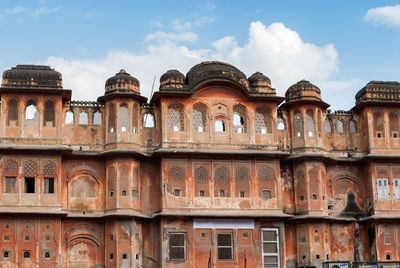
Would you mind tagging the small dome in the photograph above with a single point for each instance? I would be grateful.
(122, 82)
(172, 80)
(261, 84)
(32, 76)
(303, 90)
(215, 70)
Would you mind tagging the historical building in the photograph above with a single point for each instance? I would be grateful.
(214, 171)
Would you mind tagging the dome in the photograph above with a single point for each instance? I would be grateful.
(32, 76)
(122, 82)
(260, 83)
(172, 80)
(303, 90)
(215, 70)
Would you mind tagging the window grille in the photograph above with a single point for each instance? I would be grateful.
(201, 179)
(222, 181)
(200, 119)
(177, 250)
(111, 118)
(124, 179)
(224, 247)
(30, 169)
(112, 177)
(378, 124)
(242, 178)
(135, 187)
(266, 182)
(177, 179)
(239, 119)
(49, 169)
(270, 247)
(175, 117)
(135, 117)
(11, 168)
(263, 120)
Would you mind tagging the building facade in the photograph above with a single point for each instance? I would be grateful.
(214, 171)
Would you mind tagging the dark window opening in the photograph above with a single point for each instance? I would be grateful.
(314, 197)
(177, 192)
(47, 255)
(6, 254)
(245, 234)
(221, 193)
(123, 193)
(125, 256)
(201, 193)
(48, 186)
(111, 193)
(47, 237)
(242, 194)
(317, 257)
(395, 135)
(6, 238)
(203, 235)
(111, 256)
(27, 238)
(27, 254)
(302, 197)
(225, 247)
(388, 257)
(379, 135)
(177, 246)
(30, 185)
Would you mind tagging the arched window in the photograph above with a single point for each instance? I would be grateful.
(263, 120)
(242, 179)
(135, 118)
(201, 182)
(97, 118)
(281, 123)
(339, 126)
(83, 118)
(266, 182)
(298, 124)
(49, 120)
(239, 119)
(310, 123)
(27, 254)
(124, 180)
(112, 181)
(31, 117)
(200, 119)
(176, 180)
(352, 126)
(111, 118)
(69, 118)
(327, 126)
(222, 187)
(123, 117)
(148, 120)
(12, 115)
(394, 124)
(83, 187)
(378, 125)
(175, 117)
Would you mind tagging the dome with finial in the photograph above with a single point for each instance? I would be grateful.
(172, 80)
(259, 83)
(303, 90)
(122, 82)
(32, 76)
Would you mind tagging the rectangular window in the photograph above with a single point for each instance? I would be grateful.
(396, 189)
(270, 247)
(177, 246)
(29, 185)
(10, 185)
(48, 186)
(224, 247)
(383, 189)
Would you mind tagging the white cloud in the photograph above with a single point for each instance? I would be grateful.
(44, 10)
(388, 15)
(276, 50)
(15, 10)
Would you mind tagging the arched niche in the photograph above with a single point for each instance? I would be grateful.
(83, 192)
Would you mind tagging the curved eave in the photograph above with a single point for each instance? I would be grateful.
(123, 95)
(365, 103)
(189, 90)
(305, 101)
(66, 93)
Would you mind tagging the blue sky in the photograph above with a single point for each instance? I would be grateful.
(337, 45)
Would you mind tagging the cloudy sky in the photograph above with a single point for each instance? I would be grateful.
(337, 45)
